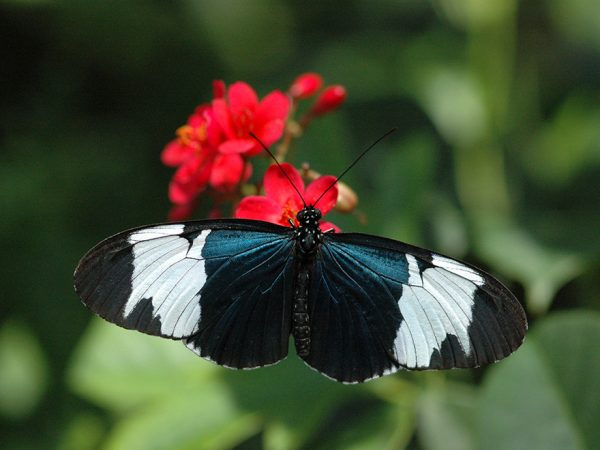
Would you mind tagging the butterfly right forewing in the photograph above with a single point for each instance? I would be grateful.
(378, 305)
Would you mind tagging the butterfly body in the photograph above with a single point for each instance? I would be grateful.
(358, 306)
(308, 237)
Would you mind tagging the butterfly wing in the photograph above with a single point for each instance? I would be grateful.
(378, 305)
(224, 287)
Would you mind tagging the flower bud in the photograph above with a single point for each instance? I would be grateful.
(330, 99)
(347, 198)
(219, 89)
(306, 85)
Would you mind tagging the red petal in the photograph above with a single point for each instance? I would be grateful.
(186, 172)
(316, 189)
(222, 116)
(326, 226)
(214, 133)
(279, 188)
(259, 208)
(181, 193)
(241, 98)
(237, 146)
(198, 117)
(219, 88)
(268, 135)
(226, 172)
(189, 179)
(175, 153)
(204, 118)
(275, 105)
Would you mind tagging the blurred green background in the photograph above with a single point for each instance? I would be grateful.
(497, 161)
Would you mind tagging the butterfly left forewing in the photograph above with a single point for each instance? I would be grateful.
(197, 281)
(380, 305)
(146, 279)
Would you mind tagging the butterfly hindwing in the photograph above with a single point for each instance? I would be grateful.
(223, 286)
(354, 316)
(382, 305)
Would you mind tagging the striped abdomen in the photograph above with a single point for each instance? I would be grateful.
(300, 317)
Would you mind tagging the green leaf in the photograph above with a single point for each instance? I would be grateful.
(477, 14)
(292, 399)
(84, 432)
(447, 223)
(512, 251)
(547, 394)
(566, 145)
(435, 74)
(167, 396)
(404, 181)
(445, 417)
(120, 369)
(575, 365)
(23, 371)
(577, 20)
(372, 426)
(202, 418)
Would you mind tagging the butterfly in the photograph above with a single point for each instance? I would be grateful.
(357, 306)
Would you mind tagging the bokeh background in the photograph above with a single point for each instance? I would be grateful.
(497, 161)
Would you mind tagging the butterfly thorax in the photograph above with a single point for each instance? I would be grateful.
(308, 237)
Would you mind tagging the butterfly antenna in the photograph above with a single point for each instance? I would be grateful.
(255, 137)
(354, 163)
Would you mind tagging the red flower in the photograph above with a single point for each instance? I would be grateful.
(242, 112)
(330, 99)
(306, 85)
(195, 151)
(281, 201)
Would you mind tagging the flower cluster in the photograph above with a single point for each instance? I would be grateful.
(212, 152)
(213, 147)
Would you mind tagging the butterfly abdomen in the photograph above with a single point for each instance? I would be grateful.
(300, 317)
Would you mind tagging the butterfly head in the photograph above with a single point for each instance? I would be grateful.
(309, 217)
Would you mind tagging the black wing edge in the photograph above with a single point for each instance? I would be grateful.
(109, 248)
(118, 241)
(493, 287)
